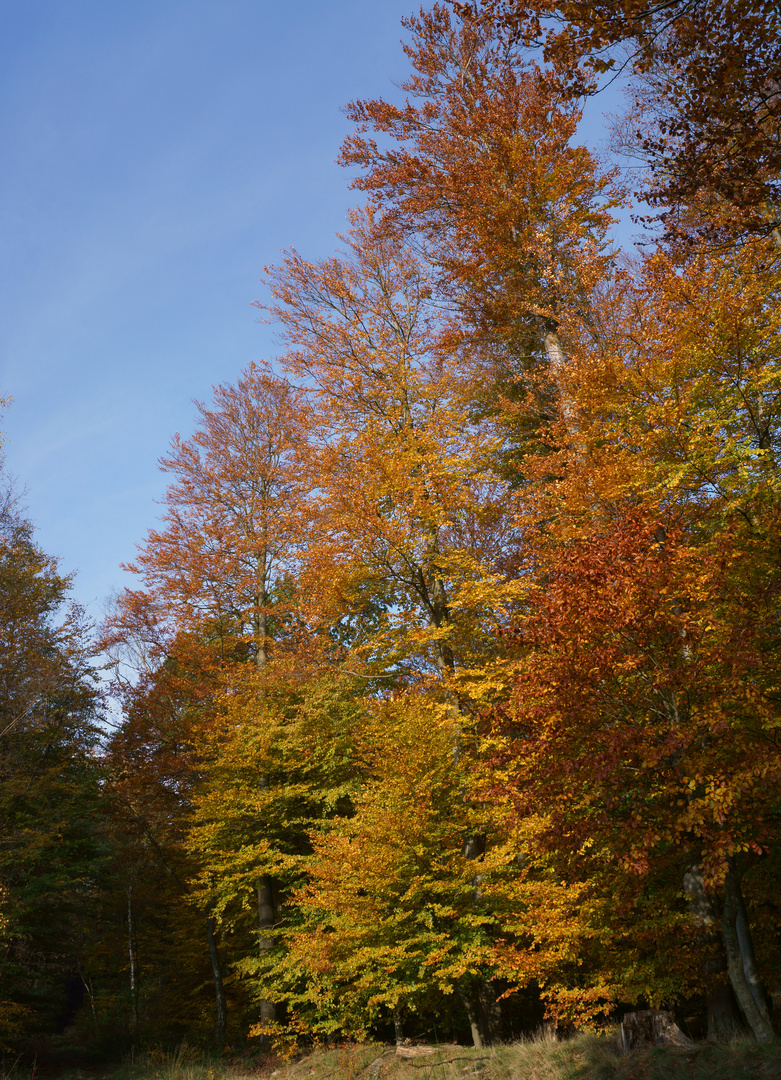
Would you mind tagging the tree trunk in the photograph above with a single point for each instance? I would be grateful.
(219, 990)
(261, 633)
(557, 360)
(131, 948)
(474, 846)
(474, 1020)
(398, 1026)
(261, 615)
(742, 971)
(266, 919)
(746, 944)
(491, 1020)
(723, 1017)
(87, 984)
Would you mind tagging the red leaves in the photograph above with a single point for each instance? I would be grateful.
(631, 695)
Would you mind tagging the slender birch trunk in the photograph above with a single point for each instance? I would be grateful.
(131, 948)
(219, 989)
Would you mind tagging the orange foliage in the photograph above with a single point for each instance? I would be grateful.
(409, 510)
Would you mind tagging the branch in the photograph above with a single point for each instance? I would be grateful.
(447, 1061)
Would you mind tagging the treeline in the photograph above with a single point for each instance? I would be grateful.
(450, 685)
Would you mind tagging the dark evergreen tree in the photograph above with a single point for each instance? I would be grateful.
(52, 821)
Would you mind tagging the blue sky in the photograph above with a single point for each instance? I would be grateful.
(157, 154)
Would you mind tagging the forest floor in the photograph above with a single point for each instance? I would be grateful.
(583, 1057)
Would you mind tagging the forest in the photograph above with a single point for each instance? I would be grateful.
(446, 703)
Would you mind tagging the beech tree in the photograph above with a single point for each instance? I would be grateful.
(232, 522)
(479, 167)
(644, 656)
(393, 927)
(410, 508)
(279, 762)
(155, 761)
(704, 75)
(221, 564)
(640, 719)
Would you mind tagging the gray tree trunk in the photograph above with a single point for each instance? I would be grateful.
(261, 615)
(742, 971)
(557, 360)
(131, 948)
(398, 1026)
(473, 1016)
(746, 944)
(723, 1017)
(491, 1020)
(266, 919)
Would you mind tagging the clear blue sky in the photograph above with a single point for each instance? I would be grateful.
(156, 155)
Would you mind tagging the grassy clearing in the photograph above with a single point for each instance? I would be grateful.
(581, 1058)
(584, 1057)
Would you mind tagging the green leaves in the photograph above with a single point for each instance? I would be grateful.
(53, 811)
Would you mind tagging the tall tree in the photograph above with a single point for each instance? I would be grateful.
(706, 75)
(410, 507)
(232, 520)
(279, 762)
(53, 816)
(155, 761)
(641, 712)
(479, 166)
(640, 723)
(392, 926)
(216, 576)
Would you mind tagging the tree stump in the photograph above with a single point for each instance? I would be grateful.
(652, 1027)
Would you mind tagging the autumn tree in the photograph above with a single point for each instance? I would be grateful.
(394, 928)
(230, 529)
(279, 762)
(705, 76)
(216, 577)
(480, 168)
(640, 724)
(410, 509)
(53, 813)
(641, 711)
(155, 760)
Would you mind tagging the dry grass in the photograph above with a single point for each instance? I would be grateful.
(584, 1057)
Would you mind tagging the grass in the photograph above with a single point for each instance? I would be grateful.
(583, 1057)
